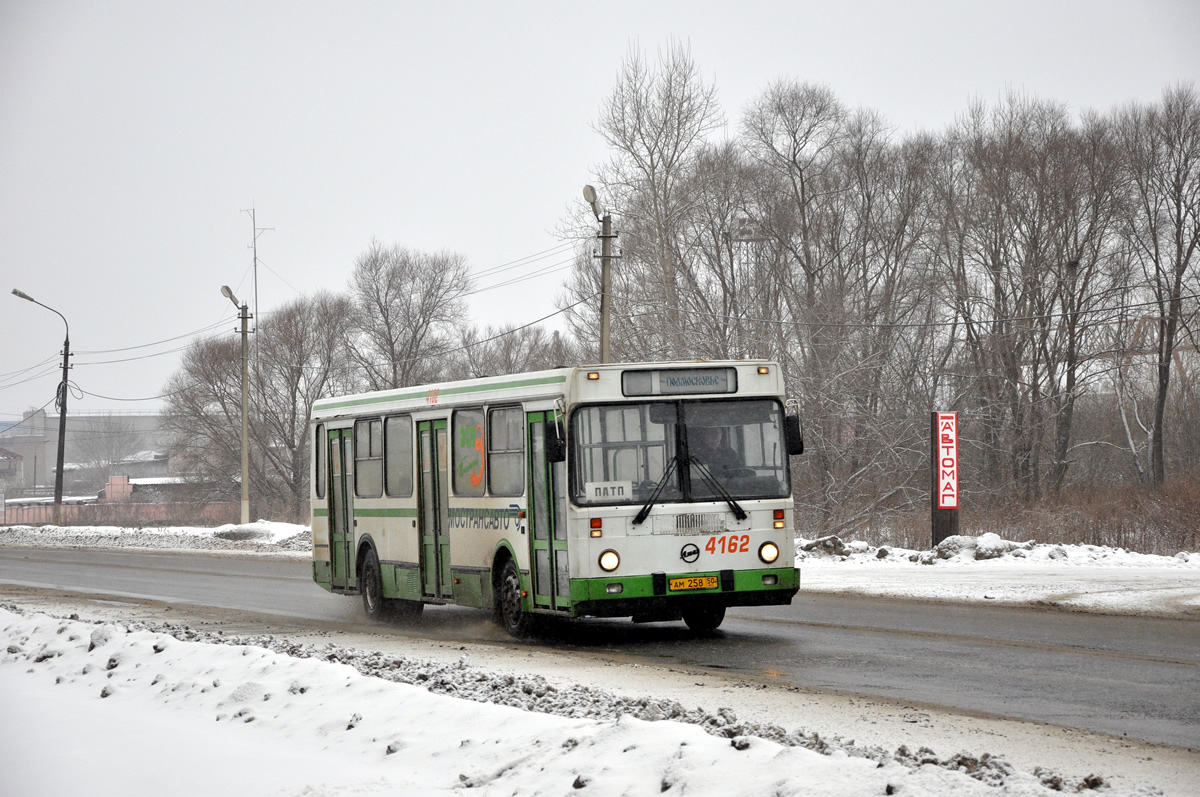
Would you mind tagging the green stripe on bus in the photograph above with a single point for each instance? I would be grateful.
(452, 391)
(320, 511)
(386, 512)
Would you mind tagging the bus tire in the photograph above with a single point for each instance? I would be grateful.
(704, 619)
(370, 585)
(515, 620)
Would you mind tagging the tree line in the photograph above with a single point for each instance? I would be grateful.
(1033, 269)
(399, 322)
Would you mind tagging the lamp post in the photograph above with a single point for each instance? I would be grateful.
(244, 313)
(61, 400)
(606, 236)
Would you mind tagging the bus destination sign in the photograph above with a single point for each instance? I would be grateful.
(679, 381)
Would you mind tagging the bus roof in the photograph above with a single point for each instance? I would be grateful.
(548, 384)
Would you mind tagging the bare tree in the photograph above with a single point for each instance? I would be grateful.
(512, 350)
(654, 120)
(300, 359)
(407, 306)
(1162, 158)
(203, 413)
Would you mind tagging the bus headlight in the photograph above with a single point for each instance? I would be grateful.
(768, 552)
(609, 561)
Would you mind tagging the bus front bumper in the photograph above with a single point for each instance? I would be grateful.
(665, 596)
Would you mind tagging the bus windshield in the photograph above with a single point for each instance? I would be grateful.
(695, 448)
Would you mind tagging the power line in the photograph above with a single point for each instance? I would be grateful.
(28, 417)
(155, 343)
(524, 260)
(34, 378)
(147, 398)
(544, 270)
(46, 361)
(900, 325)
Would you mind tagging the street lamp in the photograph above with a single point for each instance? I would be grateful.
(606, 236)
(61, 400)
(244, 313)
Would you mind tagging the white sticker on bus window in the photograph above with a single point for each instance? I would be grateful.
(608, 491)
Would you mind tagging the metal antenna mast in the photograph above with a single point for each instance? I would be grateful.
(254, 248)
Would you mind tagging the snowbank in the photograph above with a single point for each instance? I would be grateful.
(158, 709)
(263, 536)
(962, 549)
(990, 569)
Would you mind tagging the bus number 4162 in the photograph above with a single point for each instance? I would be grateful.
(734, 543)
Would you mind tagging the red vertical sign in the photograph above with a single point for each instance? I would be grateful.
(947, 460)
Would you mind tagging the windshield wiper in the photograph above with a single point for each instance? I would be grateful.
(658, 488)
(716, 486)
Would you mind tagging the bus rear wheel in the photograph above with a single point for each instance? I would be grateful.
(515, 620)
(705, 619)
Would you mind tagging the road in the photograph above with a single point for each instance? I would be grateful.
(1137, 677)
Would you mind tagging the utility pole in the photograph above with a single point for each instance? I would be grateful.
(606, 238)
(244, 314)
(64, 390)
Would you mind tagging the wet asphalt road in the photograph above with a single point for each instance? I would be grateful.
(1119, 675)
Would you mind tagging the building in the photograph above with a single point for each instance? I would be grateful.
(98, 445)
(12, 469)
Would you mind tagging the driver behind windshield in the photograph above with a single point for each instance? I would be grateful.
(708, 445)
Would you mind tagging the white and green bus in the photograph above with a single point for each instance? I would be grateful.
(657, 491)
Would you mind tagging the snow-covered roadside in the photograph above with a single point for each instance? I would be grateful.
(990, 569)
(261, 537)
(290, 719)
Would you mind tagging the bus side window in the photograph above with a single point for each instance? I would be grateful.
(398, 456)
(467, 441)
(319, 458)
(368, 458)
(506, 451)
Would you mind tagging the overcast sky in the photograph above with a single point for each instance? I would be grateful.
(133, 135)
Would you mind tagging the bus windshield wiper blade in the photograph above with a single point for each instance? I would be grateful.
(712, 482)
(658, 488)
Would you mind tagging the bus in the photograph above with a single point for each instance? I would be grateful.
(655, 491)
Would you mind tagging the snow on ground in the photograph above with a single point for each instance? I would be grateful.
(131, 711)
(990, 569)
(262, 536)
(137, 708)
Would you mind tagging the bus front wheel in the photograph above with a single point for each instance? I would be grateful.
(370, 584)
(704, 620)
(515, 620)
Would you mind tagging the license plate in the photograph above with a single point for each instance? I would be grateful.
(692, 582)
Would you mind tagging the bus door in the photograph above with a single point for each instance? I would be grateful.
(341, 509)
(436, 581)
(547, 499)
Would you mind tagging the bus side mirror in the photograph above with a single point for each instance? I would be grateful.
(556, 447)
(793, 434)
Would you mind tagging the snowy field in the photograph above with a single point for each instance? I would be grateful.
(95, 706)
